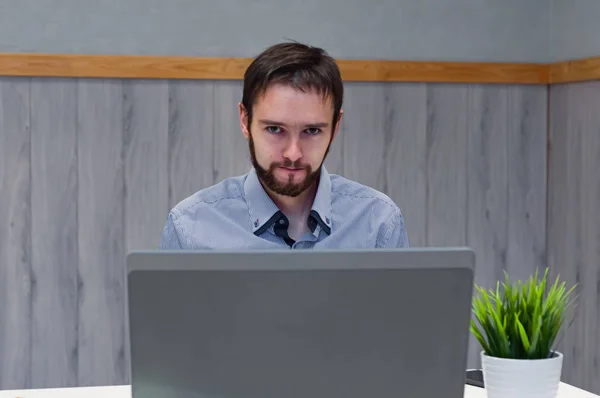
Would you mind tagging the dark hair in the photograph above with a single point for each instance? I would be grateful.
(299, 65)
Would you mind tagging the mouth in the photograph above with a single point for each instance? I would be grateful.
(291, 171)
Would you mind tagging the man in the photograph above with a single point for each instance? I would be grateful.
(290, 114)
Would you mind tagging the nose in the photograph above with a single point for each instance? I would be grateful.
(292, 149)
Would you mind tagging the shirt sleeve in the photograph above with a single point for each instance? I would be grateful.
(396, 236)
(170, 238)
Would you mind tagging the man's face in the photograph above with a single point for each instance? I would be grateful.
(289, 137)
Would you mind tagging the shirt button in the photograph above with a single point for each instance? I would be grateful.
(256, 223)
(282, 221)
(327, 220)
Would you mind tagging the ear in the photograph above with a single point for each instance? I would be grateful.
(243, 120)
(337, 125)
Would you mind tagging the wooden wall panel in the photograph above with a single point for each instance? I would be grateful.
(146, 149)
(15, 229)
(487, 198)
(574, 223)
(54, 261)
(334, 162)
(591, 233)
(191, 147)
(446, 165)
(560, 233)
(527, 175)
(588, 101)
(231, 148)
(441, 151)
(101, 233)
(405, 151)
(572, 244)
(364, 116)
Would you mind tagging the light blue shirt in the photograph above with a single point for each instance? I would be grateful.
(237, 214)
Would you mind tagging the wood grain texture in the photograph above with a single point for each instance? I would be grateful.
(334, 162)
(592, 246)
(231, 155)
(55, 276)
(443, 72)
(191, 124)
(574, 224)
(405, 154)
(101, 357)
(15, 231)
(170, 67)
(122, 66)
(487, 229)
(447, 107)
(466, 163)
(146, 148)
(574, 70)
(559, 231)
(527, 138)
(487, 226)
(573, 235)
(364, 117)
(565, 218)
(590, 101)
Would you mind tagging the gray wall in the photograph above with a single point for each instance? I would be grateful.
(445, 30)
(461, 30)
(90, 168)
(575, 29)
(574, 220)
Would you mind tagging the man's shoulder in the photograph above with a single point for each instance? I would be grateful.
(344, 189)
(205, 214)
(211, 197)
(370, 209)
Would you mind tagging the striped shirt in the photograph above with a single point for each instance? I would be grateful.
(237, 214)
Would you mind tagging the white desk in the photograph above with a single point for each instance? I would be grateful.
(565, 391)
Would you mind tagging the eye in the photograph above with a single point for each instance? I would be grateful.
(313, 130)
(274, 129)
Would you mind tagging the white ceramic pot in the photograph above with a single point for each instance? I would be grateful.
(521, 378)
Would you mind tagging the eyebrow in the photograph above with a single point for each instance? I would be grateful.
(276, 123)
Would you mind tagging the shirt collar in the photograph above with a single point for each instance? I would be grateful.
(321, 208)
(264, 212)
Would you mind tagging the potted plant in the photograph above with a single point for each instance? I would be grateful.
(518, 326)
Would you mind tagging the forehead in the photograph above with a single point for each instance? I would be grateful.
(289, 103)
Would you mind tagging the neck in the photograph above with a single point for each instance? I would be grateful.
(298, 206)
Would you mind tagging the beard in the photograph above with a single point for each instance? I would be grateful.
(289, 188)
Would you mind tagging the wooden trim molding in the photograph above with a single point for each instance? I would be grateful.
(167, 67)
(121, 66)
(443, 72)
(575, 71)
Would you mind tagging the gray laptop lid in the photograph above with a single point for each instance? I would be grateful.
(310, 324)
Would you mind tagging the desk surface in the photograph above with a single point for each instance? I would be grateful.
(565, 391)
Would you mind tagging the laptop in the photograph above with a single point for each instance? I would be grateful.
(299, 324)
